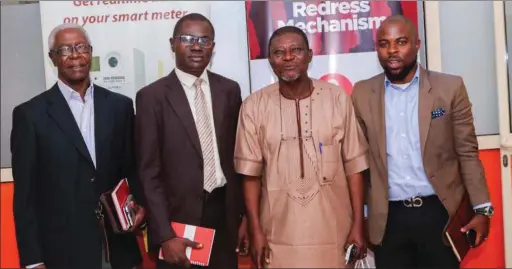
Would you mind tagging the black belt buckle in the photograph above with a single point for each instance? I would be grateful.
(415, 201)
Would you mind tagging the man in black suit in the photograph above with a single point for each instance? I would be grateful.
(69, 145)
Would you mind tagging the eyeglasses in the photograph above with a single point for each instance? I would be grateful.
(189, 40)
(68, 50)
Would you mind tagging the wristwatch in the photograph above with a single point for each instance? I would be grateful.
(486, 211)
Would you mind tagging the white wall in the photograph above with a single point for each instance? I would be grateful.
(23, 67)
(468, 50)
(228, 18)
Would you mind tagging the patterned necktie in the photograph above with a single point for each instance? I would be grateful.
(205, 133)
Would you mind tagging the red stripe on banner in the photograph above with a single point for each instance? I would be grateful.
(410, 10)
(263, 16)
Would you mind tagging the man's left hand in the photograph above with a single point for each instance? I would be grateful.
(140, 214)
(357, 238)
(243, 238)
(480, 224)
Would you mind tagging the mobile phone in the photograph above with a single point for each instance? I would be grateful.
(471, 237)
(350, 254)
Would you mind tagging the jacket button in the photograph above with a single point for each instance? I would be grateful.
(93, 179)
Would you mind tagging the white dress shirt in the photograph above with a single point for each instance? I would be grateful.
(83, 112)
(187, 81)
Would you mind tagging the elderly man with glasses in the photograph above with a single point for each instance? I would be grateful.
(69, 145)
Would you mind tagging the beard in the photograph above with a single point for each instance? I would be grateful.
(403, 73)
(290, 78)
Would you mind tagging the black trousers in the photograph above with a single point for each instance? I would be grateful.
(414, 237)
(214, 216)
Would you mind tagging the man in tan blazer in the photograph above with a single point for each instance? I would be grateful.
(424, 154)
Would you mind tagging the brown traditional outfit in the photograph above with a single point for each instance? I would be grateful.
(303, 150)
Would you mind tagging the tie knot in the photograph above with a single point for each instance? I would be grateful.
(198, 82)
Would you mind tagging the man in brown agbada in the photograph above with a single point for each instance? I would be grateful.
(302, 153)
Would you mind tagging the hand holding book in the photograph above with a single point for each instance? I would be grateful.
(479, 224)
(174, 251)
(121, 208)
(462, 224)
(138, 215)
(192, 245)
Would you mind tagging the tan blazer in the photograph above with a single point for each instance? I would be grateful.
(448, 143)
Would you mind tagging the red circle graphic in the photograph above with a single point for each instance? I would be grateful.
(341, 80)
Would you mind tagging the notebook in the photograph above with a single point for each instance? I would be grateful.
(121, 198)
(455, 237)
(205, 236)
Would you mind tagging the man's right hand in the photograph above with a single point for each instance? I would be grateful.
(259, 249)
(173, 251)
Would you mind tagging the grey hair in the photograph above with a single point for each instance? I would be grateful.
(58, 28)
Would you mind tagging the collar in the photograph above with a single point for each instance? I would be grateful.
(70, 93)
(189, 79)
(414, 79)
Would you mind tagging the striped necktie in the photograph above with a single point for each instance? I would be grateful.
(205, 133)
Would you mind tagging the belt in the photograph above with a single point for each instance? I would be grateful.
(415, 201)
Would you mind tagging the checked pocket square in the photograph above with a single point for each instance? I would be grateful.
(438, 112)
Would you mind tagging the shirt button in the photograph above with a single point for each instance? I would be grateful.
(401, 113)
(408, 177)
(405, 157)
(403, 134)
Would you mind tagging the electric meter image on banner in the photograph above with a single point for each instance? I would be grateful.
(121, 71)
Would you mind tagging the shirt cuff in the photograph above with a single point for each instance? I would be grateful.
(365, 207)
(356, 165)
(33, 265)
(482, 205)
(248, 167)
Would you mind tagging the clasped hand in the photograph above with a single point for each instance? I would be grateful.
(173, 251)
(140, 214)
(480, 224)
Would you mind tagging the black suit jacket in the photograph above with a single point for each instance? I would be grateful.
(170, 156)
(57, 187)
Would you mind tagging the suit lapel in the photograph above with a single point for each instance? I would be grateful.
(60, 112)
(377, 107)
(178, 100)
(103, 123)
(218, 104)
(425, 103)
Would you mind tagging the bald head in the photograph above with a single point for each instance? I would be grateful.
(399, 20)
(397, 48)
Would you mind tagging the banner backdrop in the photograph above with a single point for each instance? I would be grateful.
(340, 33)
(130, 39)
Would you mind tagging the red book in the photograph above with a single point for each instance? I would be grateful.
(121, 198)
(202, 235)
